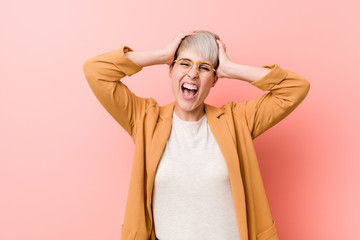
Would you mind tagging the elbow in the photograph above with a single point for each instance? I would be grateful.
(303, 89)
(301, 84)
(88, 68)
(305, 86)
(300, 88)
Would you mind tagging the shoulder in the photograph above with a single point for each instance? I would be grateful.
(227, 108)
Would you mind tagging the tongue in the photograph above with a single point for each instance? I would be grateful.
(189, 93)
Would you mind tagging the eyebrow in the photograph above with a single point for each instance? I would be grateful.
(185, 59)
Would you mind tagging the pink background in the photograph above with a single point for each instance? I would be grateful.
(65, 163)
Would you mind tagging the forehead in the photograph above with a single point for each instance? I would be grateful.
(193, 55)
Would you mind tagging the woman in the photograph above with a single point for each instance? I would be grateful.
(195, 173)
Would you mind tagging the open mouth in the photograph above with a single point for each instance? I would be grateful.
(189, 90)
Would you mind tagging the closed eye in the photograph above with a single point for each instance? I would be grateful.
(206, 68)
(184, 64)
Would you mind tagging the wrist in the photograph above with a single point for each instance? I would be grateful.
(163, 57)
(226, 69)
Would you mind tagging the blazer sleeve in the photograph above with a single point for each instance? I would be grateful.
(287, 90)
(103, 73)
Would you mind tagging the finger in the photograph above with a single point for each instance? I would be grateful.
(180, 37)
(187, 33)
(223, 46)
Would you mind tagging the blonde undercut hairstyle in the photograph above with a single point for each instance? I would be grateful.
(204, 43)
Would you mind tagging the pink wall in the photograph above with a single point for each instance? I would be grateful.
(65, 163)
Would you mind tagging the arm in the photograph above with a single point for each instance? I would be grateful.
(245, 72)
(104, 72)
(163, 56)
(287, 90)
(229, 69)
(147, 58)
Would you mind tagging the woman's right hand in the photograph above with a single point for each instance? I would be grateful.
(169, 50)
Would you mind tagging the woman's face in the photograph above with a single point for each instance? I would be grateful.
(188, 102)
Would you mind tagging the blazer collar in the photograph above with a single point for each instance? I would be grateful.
(211, 111)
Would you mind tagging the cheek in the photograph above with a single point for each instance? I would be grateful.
(174, 84)
(206, 85)
(175, 79)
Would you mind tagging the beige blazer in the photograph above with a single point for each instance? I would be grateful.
(234, 126)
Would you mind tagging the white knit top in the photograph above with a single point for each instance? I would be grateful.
(192, 196)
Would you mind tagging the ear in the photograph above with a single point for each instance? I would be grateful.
(215, 81)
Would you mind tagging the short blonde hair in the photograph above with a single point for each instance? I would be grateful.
(204, 43)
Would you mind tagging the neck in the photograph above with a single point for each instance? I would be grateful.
(193, 115)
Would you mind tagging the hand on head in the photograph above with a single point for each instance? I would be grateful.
(223, 60)
(170, 49)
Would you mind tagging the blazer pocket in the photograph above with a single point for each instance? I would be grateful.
(268, 234)
(126, 233)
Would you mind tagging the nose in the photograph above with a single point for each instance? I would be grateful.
(193, 73)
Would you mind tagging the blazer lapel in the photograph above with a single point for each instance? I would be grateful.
(158, 142)
(221, 129)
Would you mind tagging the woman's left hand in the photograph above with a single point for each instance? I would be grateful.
(224, 61)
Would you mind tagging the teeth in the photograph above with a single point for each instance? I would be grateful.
(190, 86)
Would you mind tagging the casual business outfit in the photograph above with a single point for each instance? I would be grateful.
(194, 180)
